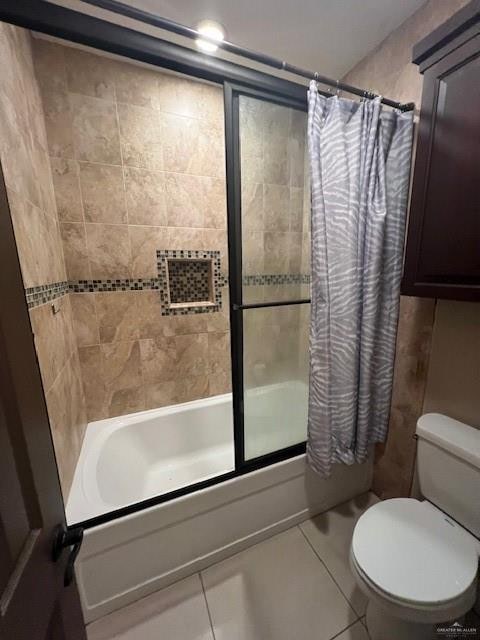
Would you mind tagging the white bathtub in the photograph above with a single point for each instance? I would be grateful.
(130, 458)
(127, 459)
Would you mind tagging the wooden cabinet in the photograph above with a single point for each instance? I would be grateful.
(442, 257)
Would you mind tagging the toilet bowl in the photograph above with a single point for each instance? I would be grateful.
(417, 567)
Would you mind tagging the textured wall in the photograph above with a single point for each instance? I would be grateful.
(138, 165)
(388, 70)
(24, 157)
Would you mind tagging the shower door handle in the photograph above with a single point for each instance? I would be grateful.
(67, 539)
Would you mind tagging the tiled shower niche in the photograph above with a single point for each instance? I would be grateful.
(190, 281)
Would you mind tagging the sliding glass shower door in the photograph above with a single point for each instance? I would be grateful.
(269, 242)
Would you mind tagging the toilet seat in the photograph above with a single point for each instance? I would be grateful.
(413, 554)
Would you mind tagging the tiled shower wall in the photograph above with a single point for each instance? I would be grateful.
(138, 165)
(24, 158)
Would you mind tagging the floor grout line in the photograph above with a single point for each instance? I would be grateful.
(206, 604)
(343, 630)
(331, 575)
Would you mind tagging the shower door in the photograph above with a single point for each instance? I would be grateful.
(269, 276)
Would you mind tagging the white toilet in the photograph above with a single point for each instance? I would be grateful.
(417, 560)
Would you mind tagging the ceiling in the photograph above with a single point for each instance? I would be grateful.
(328, 36)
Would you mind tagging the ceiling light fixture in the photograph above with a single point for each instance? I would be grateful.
(213, 33)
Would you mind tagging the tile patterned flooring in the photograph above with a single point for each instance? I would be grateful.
(295, 585)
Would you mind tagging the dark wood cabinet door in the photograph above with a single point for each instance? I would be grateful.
(443, 242)
(34, 604)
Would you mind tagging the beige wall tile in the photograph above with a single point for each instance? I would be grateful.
(218, 352)
(151, 322)
(89, 74)
(294, 252)
(121, 365)
(251, 167)
(145, 194)
(253, 256)
(20, 170)
(187, 238)
(27, 223)
(192, 353)
(195, 201)
(49, 61)
(94, 129)
(103, 193)
(159, 360)
(191, 388)
(219, 383)
(117, 314)
(85, 322)
(295, 214)
(136, 86)
(145, 242)
(75, 250)
(53, 335)
(124, 401)
(58, 123)
(160, 394)
(93, 380)
(276, 207)
(68, 420)
(108, 250)
(275, 160)
(43, 175)
(296, 161)
(141, 137)
(276, 252)
(252, 206)
(66, 183)
(38, 241)
(192, 146)
(190, 98)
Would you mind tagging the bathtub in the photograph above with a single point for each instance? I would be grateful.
(130, 458)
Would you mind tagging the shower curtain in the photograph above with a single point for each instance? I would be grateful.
(359, 157)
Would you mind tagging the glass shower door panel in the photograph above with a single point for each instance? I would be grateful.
(275, 365)
(274, 202)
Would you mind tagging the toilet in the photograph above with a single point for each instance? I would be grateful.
(417, 560)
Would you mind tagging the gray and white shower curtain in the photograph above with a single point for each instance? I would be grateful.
(359, 156)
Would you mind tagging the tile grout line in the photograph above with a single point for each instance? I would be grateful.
(330, 574)
(337, 635)
(206, 604)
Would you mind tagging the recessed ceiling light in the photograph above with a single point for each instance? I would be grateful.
(213, 31)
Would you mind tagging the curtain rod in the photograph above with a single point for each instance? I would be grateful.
(174, 27)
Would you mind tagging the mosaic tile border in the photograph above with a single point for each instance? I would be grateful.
(44, 293)
(218, 281)
(118, 284)
(276, 278)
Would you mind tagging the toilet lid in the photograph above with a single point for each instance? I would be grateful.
(413, 552)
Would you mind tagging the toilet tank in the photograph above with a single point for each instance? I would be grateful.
(448, 468)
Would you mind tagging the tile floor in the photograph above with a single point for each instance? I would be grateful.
(295, 585)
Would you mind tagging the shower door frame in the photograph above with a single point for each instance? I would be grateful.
(102, 35)
(232, 94)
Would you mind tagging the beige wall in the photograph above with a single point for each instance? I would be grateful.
(138, 165)
(24, 158)
(453, 374)
(453, 381)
